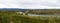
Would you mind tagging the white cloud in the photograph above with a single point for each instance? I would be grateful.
(31, 4)
(42, 4)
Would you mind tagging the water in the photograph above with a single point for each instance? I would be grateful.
(43, 15)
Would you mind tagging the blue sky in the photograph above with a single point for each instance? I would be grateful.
(30, 4)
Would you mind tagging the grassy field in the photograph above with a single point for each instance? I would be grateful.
(29, 19)
(13, 17)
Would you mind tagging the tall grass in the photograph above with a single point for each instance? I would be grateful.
(13, 17)
(29, 19)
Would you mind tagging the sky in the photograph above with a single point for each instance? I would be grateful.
(30, 4)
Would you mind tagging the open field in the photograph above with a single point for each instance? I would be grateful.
(14, 17)
(29, 19)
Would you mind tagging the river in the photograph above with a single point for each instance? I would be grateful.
(43, 15)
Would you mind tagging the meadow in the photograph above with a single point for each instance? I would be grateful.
(13, 17)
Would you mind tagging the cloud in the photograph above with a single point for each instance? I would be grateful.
(51, 4)
(30, 4)
(41, 5)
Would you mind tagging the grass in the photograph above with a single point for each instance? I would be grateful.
(31, 19)
(13, 17)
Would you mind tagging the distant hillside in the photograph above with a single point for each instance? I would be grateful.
(45, 11)
(35, 11)
(14, 9)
